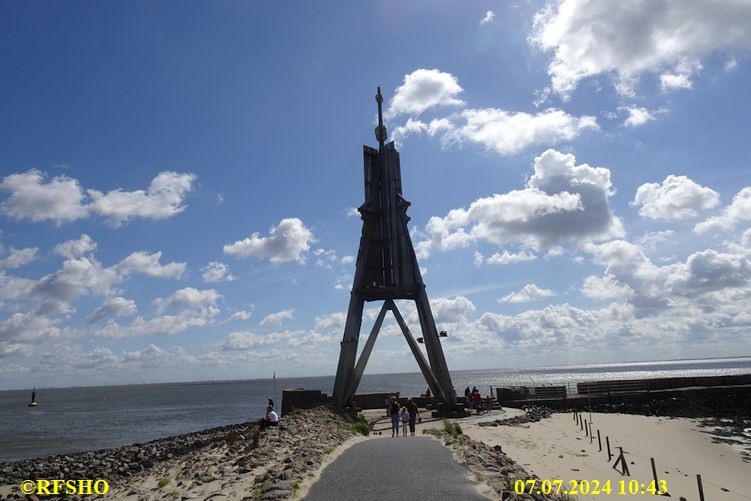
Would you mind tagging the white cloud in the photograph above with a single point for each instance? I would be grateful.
(446, 310)
(113, 307)
(18, 258)
(189, 297)
(217, 272)
(240, 315)
(76, 248)
(163, 199)
(678, 197)
(655, 238)
(286, 242)
(507, 257)
(489, 18)
(508, 133)
(149, 264)
(63, 200)
(605, 289)
(669, 81)
(636, 116)
(628, 38)
(739, 211)
(31, 197)
(527, 294)
(240, 341)
(423, 89)
(278, 317)
(562, 201)
(347, 260)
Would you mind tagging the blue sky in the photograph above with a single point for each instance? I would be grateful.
(177, 182)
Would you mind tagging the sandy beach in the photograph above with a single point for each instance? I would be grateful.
(555, 448)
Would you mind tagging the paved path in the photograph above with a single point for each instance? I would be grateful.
(409, 468)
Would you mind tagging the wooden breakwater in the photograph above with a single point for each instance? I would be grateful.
(577, 395)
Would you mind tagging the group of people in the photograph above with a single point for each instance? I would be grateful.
(473, 399)
(406, 414)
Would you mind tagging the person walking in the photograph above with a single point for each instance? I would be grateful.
(394, 417)
(414, 413)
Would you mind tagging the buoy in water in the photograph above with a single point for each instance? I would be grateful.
(33, 404)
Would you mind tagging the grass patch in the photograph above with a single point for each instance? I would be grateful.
(360, 427)
(452, 429)
(294, 487)
(162, 482)
(432, 431)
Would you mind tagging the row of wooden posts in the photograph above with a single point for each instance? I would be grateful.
(589, 432)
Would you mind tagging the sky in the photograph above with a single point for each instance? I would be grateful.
(178, 182)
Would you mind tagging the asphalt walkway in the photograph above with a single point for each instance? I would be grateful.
(409, 468)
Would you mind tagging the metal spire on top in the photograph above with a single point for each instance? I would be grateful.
(380, 131)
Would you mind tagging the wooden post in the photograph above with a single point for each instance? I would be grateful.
(586, 429)
(591, 433)
(581, 425)
(701, 489)
(607, 442)
(599, 441)
(654, 475)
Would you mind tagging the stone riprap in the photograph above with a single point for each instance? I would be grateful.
(221, 462)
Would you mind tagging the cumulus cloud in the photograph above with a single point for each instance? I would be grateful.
(189, 297)
(76, 248)
(278, 317)
(502, 131)
(248, 340)
(17, 258)
(636, 116)
(562, 201)
(488, 19)
(113, 307)
(33, 198)
(163, 199)
(677, 197)
(149, 264)
(423, 89)
(62, 199)
(527, 294)
(506, 257)
(605, 289)
(448, 310)
(738, 212)
(217, 272)
(288, 241)
(628, 38)
(508, 133)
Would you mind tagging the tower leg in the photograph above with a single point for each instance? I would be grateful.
(435, 351)
(365, 355)
(349, 349)
(427, 372)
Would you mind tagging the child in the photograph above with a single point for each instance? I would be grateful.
(405, 421)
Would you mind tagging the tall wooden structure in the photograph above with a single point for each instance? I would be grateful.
(386, 270)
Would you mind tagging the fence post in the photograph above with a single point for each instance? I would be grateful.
(607, 441)
(701, 489)
(599, 442)
(591, 434)
(581, 425)
(654, 474)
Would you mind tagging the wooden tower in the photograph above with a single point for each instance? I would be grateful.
(386, 270)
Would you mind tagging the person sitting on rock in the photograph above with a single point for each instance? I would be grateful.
(271, 418)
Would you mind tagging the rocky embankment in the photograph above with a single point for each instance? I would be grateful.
(488, 464)
(533, 414)
(231, 462)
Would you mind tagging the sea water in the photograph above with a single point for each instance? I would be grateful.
(70, 420)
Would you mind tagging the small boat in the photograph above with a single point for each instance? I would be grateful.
(33, 402)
